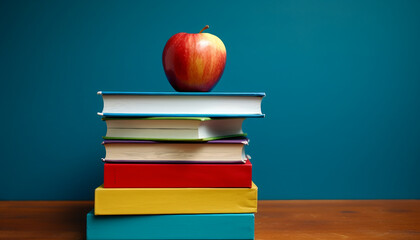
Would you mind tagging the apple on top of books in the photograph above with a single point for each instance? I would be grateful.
(194, 62)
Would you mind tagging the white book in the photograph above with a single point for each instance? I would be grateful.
(216, 151)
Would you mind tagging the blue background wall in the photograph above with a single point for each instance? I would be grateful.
(342, 80)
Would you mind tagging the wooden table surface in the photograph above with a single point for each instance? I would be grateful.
(314, 219)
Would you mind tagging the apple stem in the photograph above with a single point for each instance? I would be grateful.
(204, 28)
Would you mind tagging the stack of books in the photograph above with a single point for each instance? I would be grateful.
(176, 167)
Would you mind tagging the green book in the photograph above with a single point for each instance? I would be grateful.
(173, 128)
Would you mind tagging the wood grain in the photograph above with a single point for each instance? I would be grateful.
(344, 219)
(303, 219)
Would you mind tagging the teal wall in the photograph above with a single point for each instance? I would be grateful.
(342, 80)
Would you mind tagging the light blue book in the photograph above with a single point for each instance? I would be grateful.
(181, 104)
(169, 227)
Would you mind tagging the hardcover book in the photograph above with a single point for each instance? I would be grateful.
(195, 226)
(144, 175)
(173, 129)
(181, 104)
(144, 201)
(217, 151)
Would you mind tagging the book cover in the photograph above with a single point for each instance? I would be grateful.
(194, 226)
(140, 201)
(181, 104)
(237, 94)
(145, 175)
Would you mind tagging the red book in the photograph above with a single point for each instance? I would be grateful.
(173, 175)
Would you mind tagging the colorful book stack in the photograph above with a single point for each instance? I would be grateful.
(175, 167)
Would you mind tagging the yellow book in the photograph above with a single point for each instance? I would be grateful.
(137, 201)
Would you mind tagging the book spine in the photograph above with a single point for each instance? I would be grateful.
(143, 175)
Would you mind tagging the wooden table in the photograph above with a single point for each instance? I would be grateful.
(315, 219)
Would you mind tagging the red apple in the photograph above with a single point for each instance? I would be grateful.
(194, 62)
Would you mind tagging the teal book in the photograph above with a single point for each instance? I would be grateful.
(182, 104)
(238, 226)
